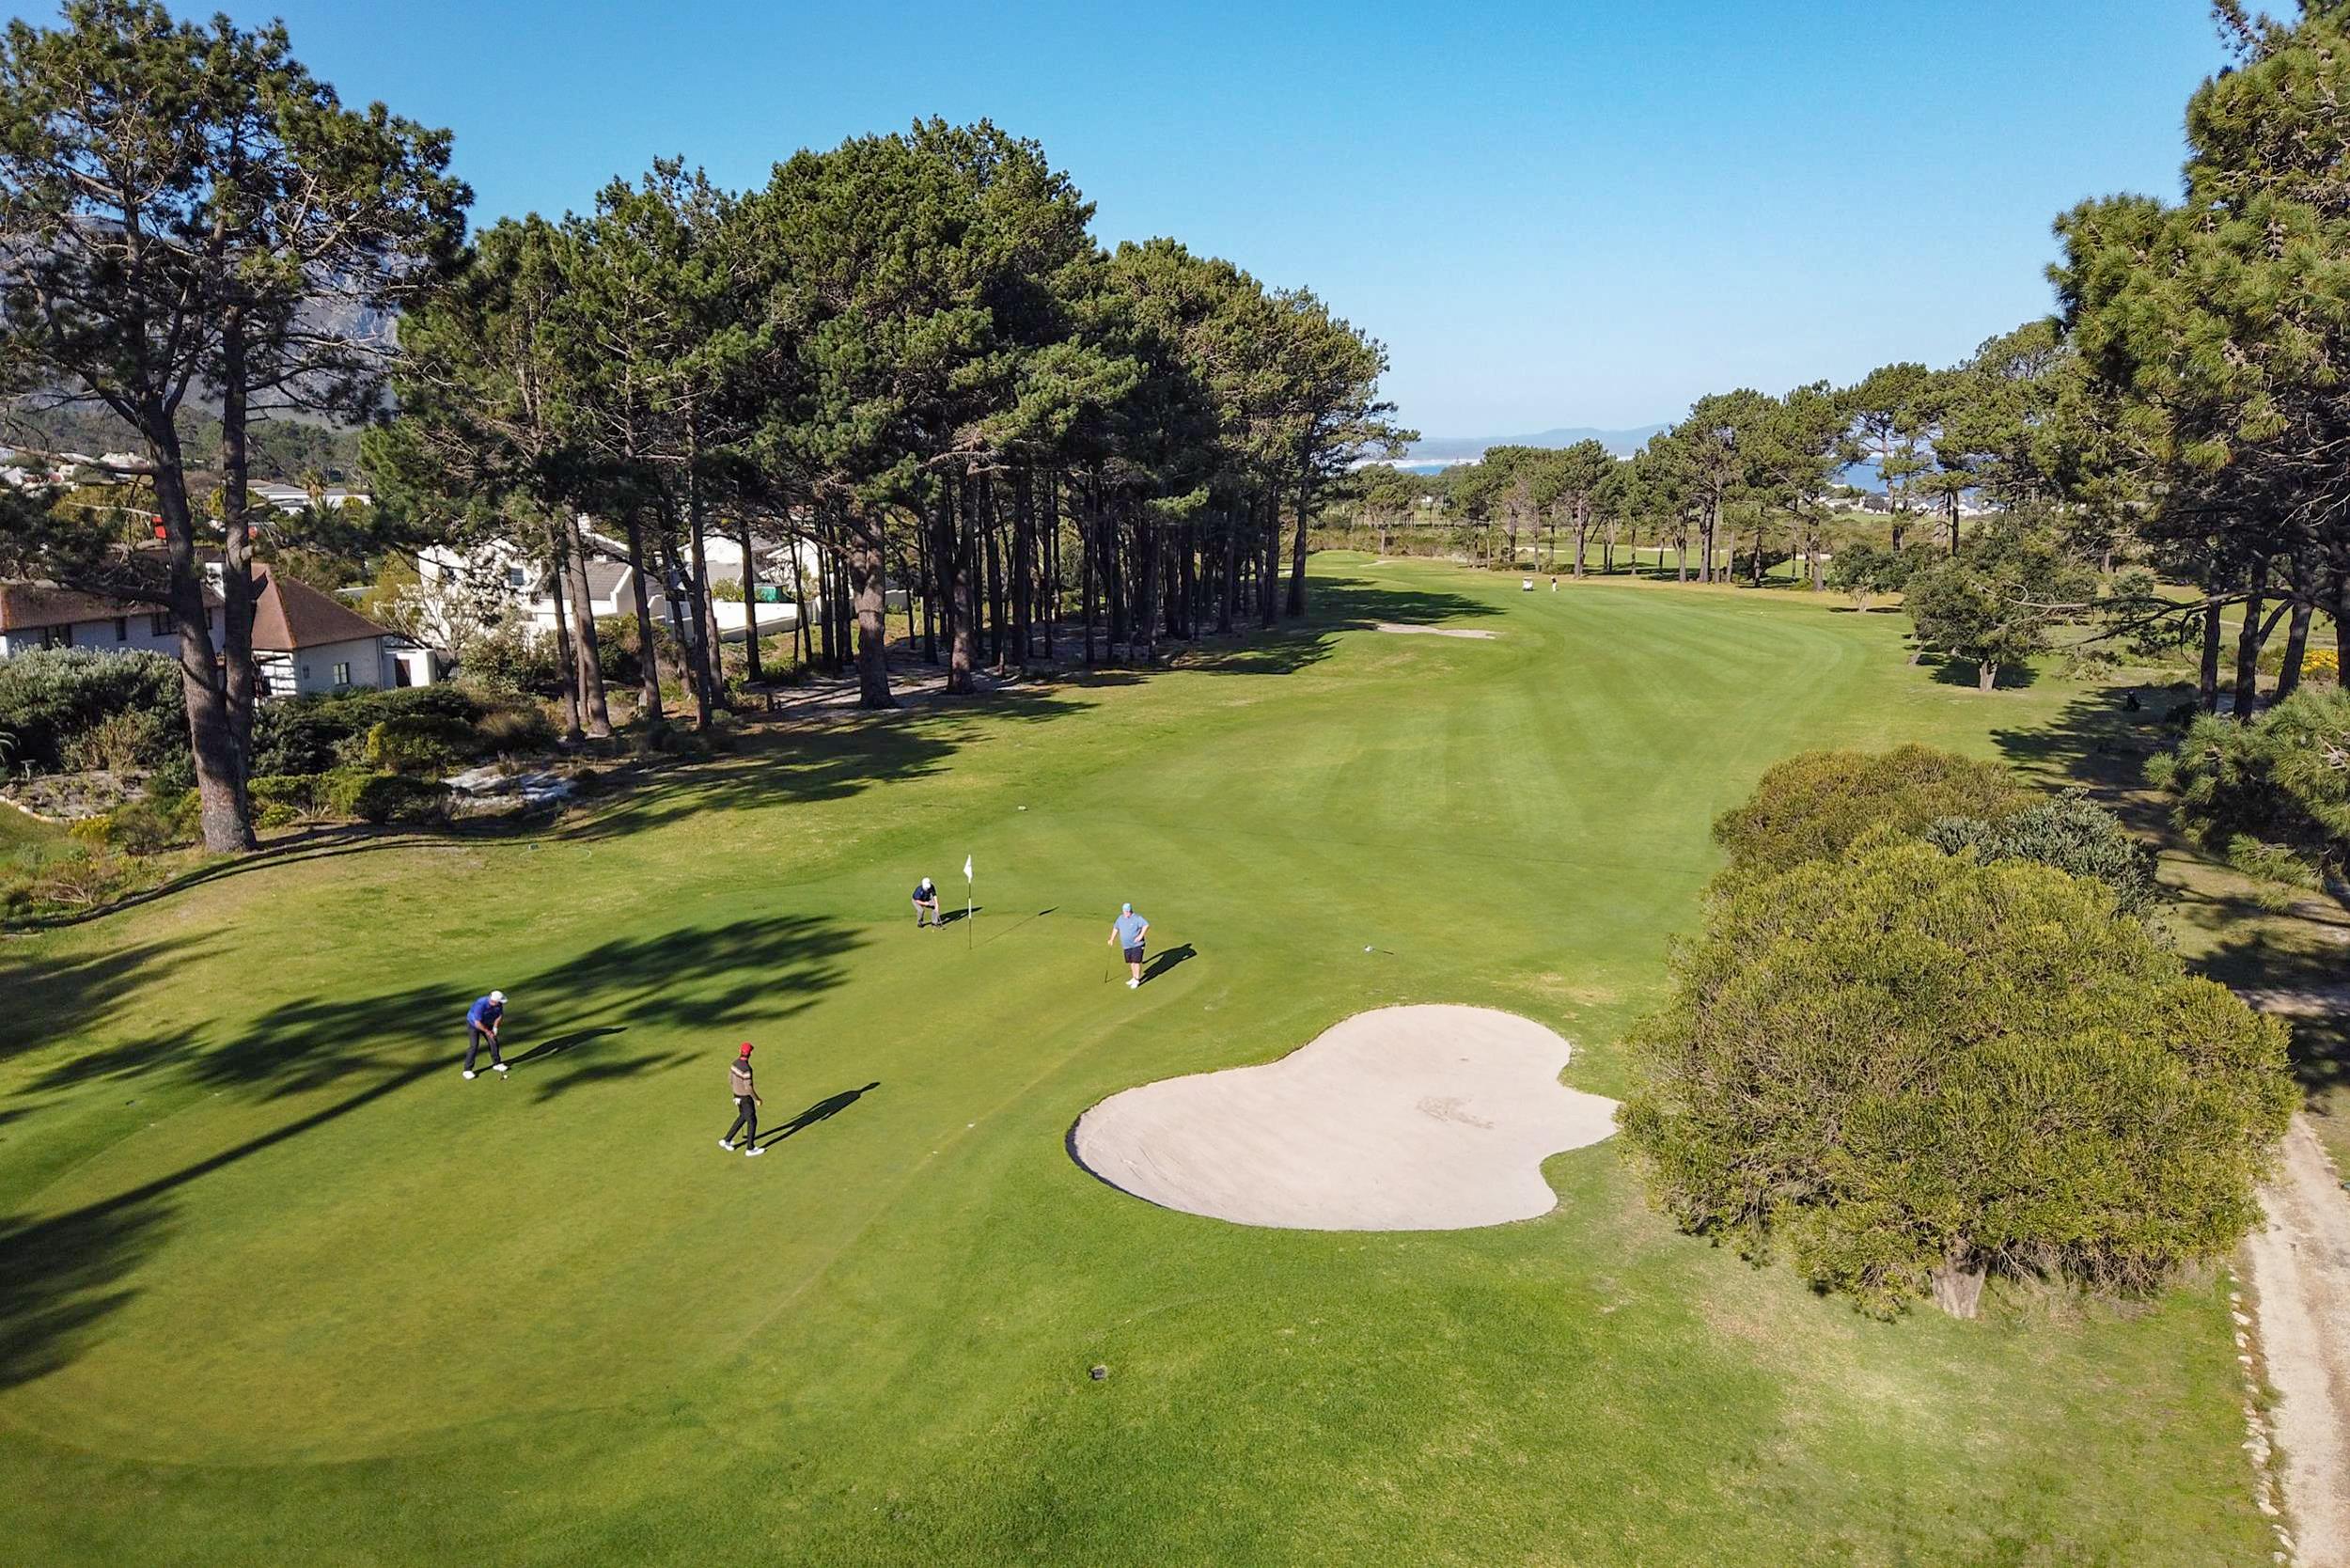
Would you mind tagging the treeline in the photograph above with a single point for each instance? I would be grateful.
(2180, 421)
(906, 352)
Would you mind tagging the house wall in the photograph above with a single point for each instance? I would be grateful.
(309, 671)
(100, 634)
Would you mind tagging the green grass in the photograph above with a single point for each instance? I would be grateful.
(18, 830)
(275, 1286)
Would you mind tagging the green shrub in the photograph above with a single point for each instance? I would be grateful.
(55, 702)
(2072, 833)
(514, 658)
(1818, 804)
(421, 744)
(154, 824)
(1913, 1071)
(314, 734)
(384, 797)
(2281, 779)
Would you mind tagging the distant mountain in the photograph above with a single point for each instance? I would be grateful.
(1461, 448)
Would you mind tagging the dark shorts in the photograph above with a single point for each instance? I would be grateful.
(1133, 955)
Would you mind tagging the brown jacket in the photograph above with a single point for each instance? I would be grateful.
(739, 1078)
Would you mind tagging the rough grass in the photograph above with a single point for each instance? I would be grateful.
(275, 1285)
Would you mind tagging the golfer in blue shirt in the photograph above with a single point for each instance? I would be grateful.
(1127, 933)
(481, 1022)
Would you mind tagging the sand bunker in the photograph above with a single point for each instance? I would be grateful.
(1402, 1118)
(1399, 629)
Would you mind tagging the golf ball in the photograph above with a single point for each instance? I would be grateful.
(1366, 947)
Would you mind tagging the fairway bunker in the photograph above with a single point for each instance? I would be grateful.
(1401, 1119)
(1396, 628)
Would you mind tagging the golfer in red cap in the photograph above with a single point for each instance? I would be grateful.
(746, 1104)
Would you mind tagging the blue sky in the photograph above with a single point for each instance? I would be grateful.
(1563, 213)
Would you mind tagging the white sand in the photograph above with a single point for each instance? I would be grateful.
(1402, 1118)
(1399, 630)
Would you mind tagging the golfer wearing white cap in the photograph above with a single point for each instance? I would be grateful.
(1126, 933)
(481, 1022)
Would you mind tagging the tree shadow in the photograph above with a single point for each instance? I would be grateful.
(822, 1110)
(1334, 605)
(1966, 673)
(63, 1275)
(1166, 961)
(86, 990)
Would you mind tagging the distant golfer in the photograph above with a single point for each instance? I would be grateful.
(481, 1022)
(746, 1104)
(1126, 933)
(925, 905)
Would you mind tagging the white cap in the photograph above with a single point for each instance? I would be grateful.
(1125, 909)
(497, 996)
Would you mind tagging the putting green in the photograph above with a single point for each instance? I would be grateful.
(275, 1284)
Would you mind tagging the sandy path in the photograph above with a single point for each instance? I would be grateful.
(1401, 1119)
(1395, 627)
(2300, 1270)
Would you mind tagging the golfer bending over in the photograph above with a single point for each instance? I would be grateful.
(481, 1022)
(1127, 933)
(746, 1104)
(925, 905)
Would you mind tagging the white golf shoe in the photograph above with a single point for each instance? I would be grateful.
(469, 1074)
(497, 1067)
(725, 1145)
(754, 1149)
(1134, 985)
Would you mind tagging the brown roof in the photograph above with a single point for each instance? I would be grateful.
(24, 606)
(291, 614)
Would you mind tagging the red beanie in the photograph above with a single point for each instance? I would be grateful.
(746, 1047)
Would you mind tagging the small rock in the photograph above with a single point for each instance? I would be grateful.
(1097, 1372)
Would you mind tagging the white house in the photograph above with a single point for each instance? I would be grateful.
(493, 577)
(303, 642)
(37, 615)
(294, 499)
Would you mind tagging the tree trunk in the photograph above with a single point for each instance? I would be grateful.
(594, 709)
(566, 658)
(872, 632)
(649, 656)
(751, 668)
(962, 599)
(236, 555)
(2296, 648)
(2342, 626)
(223, 811)
(2207, 675)
(1296, 605)
(1986, 675)
(2248, 642)
(1958, 1288)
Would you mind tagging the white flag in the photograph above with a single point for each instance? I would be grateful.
(966, 868)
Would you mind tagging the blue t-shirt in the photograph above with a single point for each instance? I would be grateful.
(1130, 929)
(486, 1013)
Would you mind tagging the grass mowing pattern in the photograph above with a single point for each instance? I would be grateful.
(276, 1285)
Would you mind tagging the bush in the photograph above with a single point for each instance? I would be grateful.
(421, 744)
(2281, 779)
(514, 658)
(2072, 833)
(1915, 1071)
(1816, 805)
(508, 730)
(313, 734)
(54, 703)
(384, 797)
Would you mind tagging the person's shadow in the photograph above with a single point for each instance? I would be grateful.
(822, 1110)
(1168, 961)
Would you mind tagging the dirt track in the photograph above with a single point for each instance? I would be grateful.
(2300, 1274)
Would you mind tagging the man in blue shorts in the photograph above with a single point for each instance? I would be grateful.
(481, 1022)
(1126, 933)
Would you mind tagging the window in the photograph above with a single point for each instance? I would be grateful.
(305, 672)
(517, 578)
(57, 636)
(122, 628)
(158, 624)
(342, 675)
